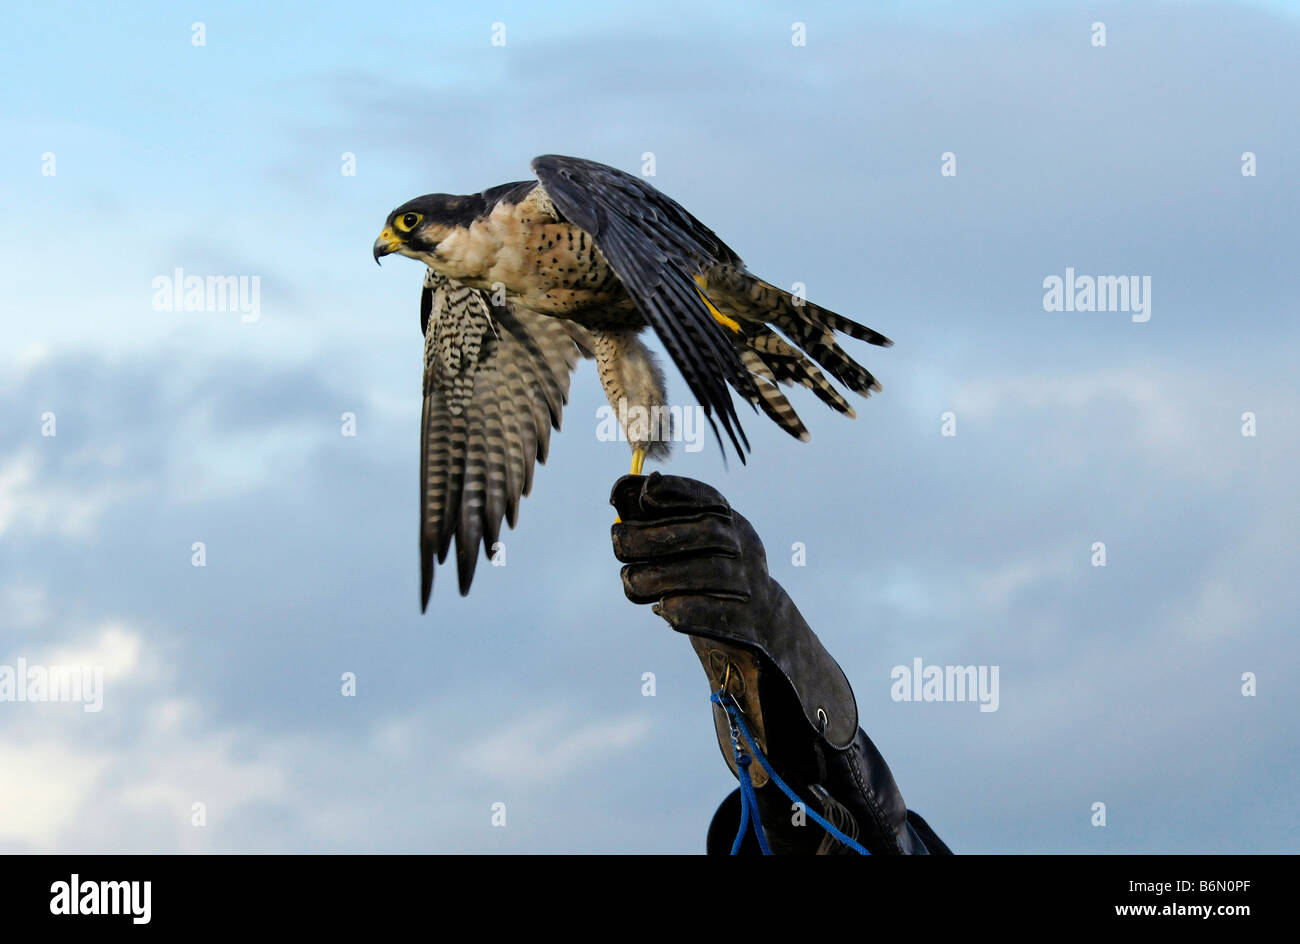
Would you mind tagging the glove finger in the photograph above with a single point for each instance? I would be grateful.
(644, 497)
(651, 582)
(641, 541)
(625, 496)
(666, 495)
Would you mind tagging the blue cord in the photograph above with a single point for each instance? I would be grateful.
(748, 800)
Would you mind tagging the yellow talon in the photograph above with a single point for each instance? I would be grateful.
(718, 316)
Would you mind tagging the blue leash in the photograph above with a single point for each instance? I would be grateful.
(748, 800)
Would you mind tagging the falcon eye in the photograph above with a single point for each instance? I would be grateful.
(408, 222)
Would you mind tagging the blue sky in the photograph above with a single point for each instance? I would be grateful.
(819, 164)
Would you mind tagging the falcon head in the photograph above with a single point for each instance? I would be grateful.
(417, 227)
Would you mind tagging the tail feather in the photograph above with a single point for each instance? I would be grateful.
(788, 364)
(809, 340)
(810, 327)
(770, 398)
(760, 301)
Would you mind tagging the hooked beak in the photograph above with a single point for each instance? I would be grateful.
(385, 244)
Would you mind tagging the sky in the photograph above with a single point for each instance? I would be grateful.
(1156, 685)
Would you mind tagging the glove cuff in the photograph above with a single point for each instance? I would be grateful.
(748, 658)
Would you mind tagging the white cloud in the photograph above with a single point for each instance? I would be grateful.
(33, 502)
(126, 779)
(548, 746)
(115, 647)
(75, 780)
(1000, 586)
(43, 784)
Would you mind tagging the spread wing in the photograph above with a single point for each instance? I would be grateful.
(657, 249)
(495, 382)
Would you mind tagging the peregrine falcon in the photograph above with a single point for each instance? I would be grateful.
(527, 278)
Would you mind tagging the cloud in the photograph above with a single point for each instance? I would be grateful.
(128, 779)
(42, 789)
(550, 746)
(30, 504)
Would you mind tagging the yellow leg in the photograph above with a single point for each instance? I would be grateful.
(718, 316)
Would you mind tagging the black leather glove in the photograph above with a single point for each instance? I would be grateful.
(704, 568)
